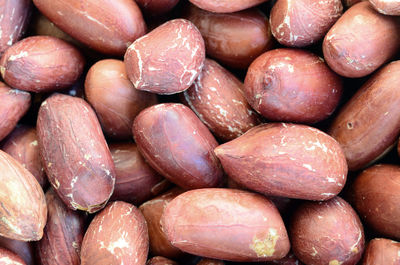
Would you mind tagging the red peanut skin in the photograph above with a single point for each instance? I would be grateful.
(135, 181)
(290, 259)
(41, 64)
(23, 206)
(292, 85)
(205, 261)
(381, 251)
(14, 21)
(375, 194)
(226, 224)
(114, 98)
(295, 30)
(23, 249)
(156, 7)
(216, 97)
(327, 233)
(345, 48)
(386, 7)
(152, 211)
(63, 234)
(117, 235)
(372, 113)
(22, 144)
(225, 6)
(168, 59)
(74, 153)
(13, 105)
(9, 258)
(279, 159)
(175, 143)
(107, 26)
(160, 261)
(234, 39)
(398, 148)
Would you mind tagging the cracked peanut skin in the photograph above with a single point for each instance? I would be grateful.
(226, 6)
(279, 159)
(299, 23)
(328, 232)
(381, 251)
(375, 194)
(74, 153)
(178, 145)
(23, 208)
(117, 235)
(107, 26)
(226, 224)
(168, 59)
(63, 234)
(361, 41)
(357, 125)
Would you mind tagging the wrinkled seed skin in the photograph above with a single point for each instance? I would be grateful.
(23, 249)
(226, 224)
(327, 232)
(160, 261)
(386, 7)
(22, 144)
(114, 98)
(372, 113)
(74, 153)
(41, 64)
(375, 195)
(135, 181)
(23, 207)
(178, 145)
(234, 39)
(15, 16)
(225, 6)
(9, 258)
(279, 159)
(381, 251)
(63, 233)
(156, 7)
(217, 98)
(344, 46)
(117, 235)
(303, 22)
(107, 26)
(168, 59)
(292, 85)
(13, 106)
(152, 211)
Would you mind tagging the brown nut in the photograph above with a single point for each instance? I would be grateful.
(349, 3)
(135, 181)
(217, 98)
(117, 235)
(372, 113)
(156, 7)
(178, 145)
(15, 16)
(23, 208)
(160, 261)
(386, 7)
(375, 194)
(225, 6)
(327, 232)
(206, 261)
(114, 98)
(14, 104)
(74, 153)
(23, 249)
(152, 211)
(108, 27)
(41, 64)
(381, 251)
(361, 41)
(63, 234)
(234, 39)
(22, 144)
(247, 225)
(292, 85)
(290, 259)
(295, 30)
(168, 59)
(280, 159)
(9, 258)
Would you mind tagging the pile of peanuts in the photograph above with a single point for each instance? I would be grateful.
(199, 132)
